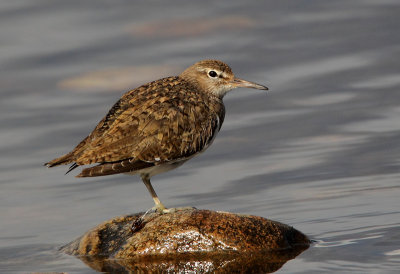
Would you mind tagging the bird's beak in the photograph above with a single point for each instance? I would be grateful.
(240, 83)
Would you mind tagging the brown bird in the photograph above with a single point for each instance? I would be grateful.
(158, 126)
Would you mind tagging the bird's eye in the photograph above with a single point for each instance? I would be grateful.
(212, 74)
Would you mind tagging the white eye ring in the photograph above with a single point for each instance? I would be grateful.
(212, 74)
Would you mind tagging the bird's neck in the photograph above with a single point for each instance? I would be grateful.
(202, 87)
(197, 85)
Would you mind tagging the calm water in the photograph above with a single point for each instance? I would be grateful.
(320, 152)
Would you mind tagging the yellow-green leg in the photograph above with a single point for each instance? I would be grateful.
(158, 205)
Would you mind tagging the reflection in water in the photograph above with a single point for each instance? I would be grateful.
(117, 79)
(262, 262)
(190, 26)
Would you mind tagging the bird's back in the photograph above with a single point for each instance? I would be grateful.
(161, 122)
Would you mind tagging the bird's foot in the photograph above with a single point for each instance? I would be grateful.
(160, 208)
(173, 209)
(139, 223)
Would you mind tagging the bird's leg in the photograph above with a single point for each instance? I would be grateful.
(139, 223)
(158, 205)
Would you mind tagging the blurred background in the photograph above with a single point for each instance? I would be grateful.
(320, 152)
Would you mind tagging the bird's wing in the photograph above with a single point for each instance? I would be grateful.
(163, 123)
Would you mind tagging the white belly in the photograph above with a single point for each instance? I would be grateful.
(154, 170)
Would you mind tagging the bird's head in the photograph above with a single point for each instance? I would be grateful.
(215, 77)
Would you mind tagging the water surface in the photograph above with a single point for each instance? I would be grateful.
(320, 152)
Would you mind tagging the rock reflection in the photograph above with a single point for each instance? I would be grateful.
(230, 262)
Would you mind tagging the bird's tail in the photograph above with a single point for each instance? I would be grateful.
(123, 166)
(63, 160)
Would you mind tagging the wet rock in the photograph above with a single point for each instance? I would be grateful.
(188, 239)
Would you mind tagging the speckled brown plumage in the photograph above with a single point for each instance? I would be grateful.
(165, 120)
(158, 126)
